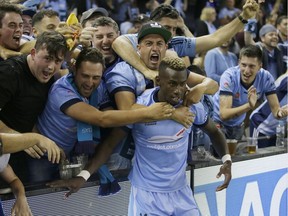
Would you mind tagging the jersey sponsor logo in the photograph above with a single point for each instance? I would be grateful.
(165, 147)
(166, 139)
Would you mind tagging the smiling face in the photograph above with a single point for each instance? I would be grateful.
(249, 67)
(103, 39)
(152, 49)
(270, 40)
(11, 31)
(88, 77)
(43, 65)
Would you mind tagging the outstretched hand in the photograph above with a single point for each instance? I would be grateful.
(225, 169)
(73, 185)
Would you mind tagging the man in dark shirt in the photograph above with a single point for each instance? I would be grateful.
(24, 84)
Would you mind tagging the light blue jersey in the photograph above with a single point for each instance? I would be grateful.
(54, 123)
(161, 149)
(230, 84)
(123, 77)
(183, 46)
(217, 62)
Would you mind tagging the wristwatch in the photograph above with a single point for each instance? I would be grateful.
(244, 21)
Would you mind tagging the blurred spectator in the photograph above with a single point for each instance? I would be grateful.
(271, 19)
(137, 23)
(118, 9)
(228, 12)
(27, 15)
(205, 25)
(272, 55)
(151, 5)
(128, 23)
(180, 5)
(57, 5)
(272, 7)
(90, 15)
(218, 60)
(282, 27)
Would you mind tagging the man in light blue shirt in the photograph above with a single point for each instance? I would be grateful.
(240, 88)
(158, 173)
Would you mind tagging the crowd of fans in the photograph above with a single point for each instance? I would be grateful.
(78, 80)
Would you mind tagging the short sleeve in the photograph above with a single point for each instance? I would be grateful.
(121, 78)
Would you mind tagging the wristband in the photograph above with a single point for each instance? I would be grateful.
(226, 157)
(84, 174)
(244, 21)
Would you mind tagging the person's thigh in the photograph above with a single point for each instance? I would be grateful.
(148, 203)
(176, 203)
(184, 203)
